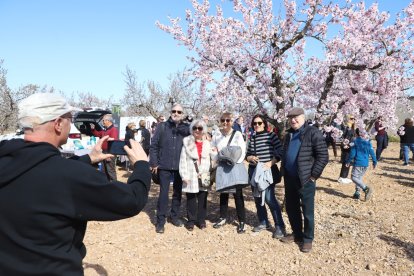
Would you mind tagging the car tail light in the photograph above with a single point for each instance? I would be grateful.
(75, 136)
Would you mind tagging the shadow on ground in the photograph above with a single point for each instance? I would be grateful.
(213, 206)
(98, 268)
(407, 246)
(332, 191)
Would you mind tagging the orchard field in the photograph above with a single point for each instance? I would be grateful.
(351, 237)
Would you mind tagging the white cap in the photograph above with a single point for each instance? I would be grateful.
(42, 107)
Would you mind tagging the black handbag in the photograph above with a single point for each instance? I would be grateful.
(156, 177)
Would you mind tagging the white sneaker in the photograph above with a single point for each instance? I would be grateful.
(344, 180)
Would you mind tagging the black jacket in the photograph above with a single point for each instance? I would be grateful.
(313, 153)
(146, 136)
(166, 145)
(129, 134)
(408, 137)
(46, 201)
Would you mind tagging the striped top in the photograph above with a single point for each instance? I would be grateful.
(264, 145)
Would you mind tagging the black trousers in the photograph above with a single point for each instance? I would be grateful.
(344, 169)
(109, 169)
(300, 200)
(333, 144)
(197, 207)
(162, 206)
(239, 201)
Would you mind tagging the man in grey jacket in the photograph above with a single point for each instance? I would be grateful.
(305, 155)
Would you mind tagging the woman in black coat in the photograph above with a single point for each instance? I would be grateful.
(130, 132)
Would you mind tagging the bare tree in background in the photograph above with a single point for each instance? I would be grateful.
(148, 98)
(9, 100)
(85, 100)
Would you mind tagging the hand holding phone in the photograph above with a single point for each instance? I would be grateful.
(116, 147)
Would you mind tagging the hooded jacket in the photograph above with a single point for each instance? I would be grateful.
(360, 152)
(46, 201)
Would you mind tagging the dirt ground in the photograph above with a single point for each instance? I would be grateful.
(351, 237)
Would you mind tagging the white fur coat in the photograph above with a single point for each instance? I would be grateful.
(187, 169)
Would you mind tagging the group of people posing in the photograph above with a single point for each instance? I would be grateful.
(188, 157)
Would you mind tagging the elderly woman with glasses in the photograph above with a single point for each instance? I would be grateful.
(195, 165)
(264, 149)
(234, 177)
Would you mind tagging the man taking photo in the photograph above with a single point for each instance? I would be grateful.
(47, 200)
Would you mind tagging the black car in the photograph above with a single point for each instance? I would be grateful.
(83, 120)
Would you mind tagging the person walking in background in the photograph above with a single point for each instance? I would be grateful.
(264, 149)
(145, 136)
(130, 131)
(406, 133)
(361, 150)
(381, 137)
(329, 139)
(304, 158)
(348, 135)
(165, 151)
(195, 165)
(238, 125)
(112, 132)
(230, 179)
(47, 200)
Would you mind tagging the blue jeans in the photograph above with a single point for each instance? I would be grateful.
(406, 149)
(381, 145)
(274, 207)
(271, 201)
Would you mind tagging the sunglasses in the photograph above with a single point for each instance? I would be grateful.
(257, 123)
(225, 120)
(353, 119)
(176, 111)
(198, 128)
(70, 117)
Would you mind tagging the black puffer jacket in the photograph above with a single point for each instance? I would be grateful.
(313, 153)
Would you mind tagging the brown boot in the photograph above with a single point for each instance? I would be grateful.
(306, 247)
(290, 238)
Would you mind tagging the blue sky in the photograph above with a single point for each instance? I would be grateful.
(85, 45)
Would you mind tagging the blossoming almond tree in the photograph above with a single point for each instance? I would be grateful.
(362, 66)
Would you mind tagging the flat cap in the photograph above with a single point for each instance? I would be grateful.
(296, 111)
(42, 107)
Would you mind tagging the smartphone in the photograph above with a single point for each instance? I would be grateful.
(116, 147)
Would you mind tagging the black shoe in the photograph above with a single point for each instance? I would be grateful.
(240, 228)
(159, 228)
(202, 225)
(189, 227)
(176, 222)
(219, 223)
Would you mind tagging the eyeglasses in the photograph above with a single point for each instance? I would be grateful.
(225, 120)
(257, 123)
(353, 119)
(200, 128)
(70, 117)
(176, 111)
